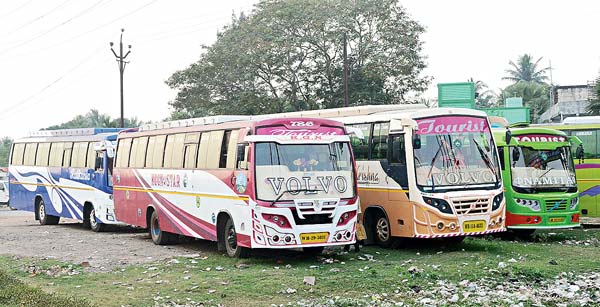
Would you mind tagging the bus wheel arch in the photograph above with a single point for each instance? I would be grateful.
(89, 218)
(87, 206)
(227, 237)
(378, 227)
(41, 213)
(158, 236)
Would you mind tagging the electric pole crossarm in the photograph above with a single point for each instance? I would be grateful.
(120, 59)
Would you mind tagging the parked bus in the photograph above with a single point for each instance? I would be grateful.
(246, 184)
(539, 180)
(423, 173)
(64, 173)
(587, 159)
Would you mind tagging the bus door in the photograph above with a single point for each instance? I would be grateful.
(396, 167)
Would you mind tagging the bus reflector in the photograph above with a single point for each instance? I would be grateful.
(575, 218)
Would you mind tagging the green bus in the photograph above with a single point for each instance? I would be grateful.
(587, 165)
(539, 179)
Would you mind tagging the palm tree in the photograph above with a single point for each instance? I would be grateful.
(526, 70)
(593, 107)
(483, 95)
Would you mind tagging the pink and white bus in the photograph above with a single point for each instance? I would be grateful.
(277, 183)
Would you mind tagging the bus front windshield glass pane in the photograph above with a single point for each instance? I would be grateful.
(534, 169)
(303, 171)
(456, 152)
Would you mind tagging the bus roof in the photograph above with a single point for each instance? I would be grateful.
(71, 135)
(410, 113)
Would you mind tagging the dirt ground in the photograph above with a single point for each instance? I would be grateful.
(22, 235)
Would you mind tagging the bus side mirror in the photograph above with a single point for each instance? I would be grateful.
(507, 137)
(416, 140)
(241, 156)
(516, 154)
(98, 164)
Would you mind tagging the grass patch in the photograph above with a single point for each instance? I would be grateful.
(13, 292)
(276, 277)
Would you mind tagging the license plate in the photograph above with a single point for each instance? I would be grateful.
(557, 219)
(473, 226)
(314, 237)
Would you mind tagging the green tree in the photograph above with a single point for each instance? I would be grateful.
(5, 145)
(536, 96)
(287, 56)
(526, 70)
(593, 107)
(93, 119)
(484, 97)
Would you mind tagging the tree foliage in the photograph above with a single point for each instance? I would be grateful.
(536, 96)
(593, 107)
(288, 55)
(93, 119)
(5, 145)
(526, 70)
(484, 97)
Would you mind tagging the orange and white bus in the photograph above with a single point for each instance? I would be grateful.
(423, 173)
(277, 183)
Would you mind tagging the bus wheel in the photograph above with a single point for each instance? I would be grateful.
(313, 251)
(230, 237)
(94, 224)
(158, 236)
(382, 231)
(44, 218)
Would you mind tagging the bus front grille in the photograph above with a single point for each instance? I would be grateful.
(556, 205)
(312, 219)
(463, 206)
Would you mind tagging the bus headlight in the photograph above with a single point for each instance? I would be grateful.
(497, 201)
(574, 203)
(529, 203)
(439, 204)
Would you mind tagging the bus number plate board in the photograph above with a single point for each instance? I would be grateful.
(556, 220)
(314, 237)
(473, 226)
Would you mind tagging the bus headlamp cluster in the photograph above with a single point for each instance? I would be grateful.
(497, 201)
(439, 204)
(529, 203)
(574, 203)
(278, 238)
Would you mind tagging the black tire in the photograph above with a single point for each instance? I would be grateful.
(95, 225)
(158, 236)
(229, 236)
(313, 251)
(382, 231)
(44, 218)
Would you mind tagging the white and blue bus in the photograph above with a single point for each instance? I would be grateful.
(65, 173)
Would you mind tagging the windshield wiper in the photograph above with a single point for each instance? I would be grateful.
(290, 191)
(485, 158)
(542, 175)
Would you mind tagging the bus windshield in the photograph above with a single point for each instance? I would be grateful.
(456, 152)
(542, 169)
(303, 171)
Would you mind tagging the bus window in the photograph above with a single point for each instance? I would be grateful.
(214, 143)
(159, 151)
(174, 151)
(150, 151)
(361, 146)
(91, 156)
(501, 157)
(79, 154)
(224, 151)
(17, 154)
(379, 142)
(231, 149)
(123, 150)
(397, 159)
(41, 158)
(138, 159)
(29, 156)
(589, 139)
(66, 159)
(190, 151)
(203, 150)
(56, 154)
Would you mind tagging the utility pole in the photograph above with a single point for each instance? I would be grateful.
(122, 63)
(346, 97)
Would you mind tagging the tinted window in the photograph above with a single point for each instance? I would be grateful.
(361, 147)
(379, 141)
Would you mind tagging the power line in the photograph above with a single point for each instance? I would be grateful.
(16, 9)
(38, 18)
(23, 102)
(55, 27)
(86, 32)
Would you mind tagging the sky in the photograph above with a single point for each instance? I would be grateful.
(56, 62)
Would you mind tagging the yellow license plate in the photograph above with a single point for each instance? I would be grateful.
(557, 219)
(314, 237)
(474, 226)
